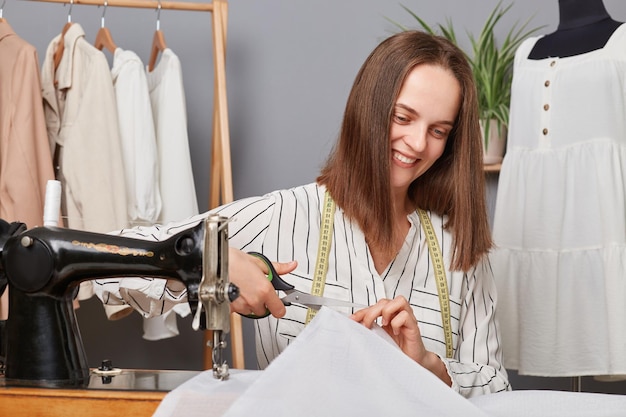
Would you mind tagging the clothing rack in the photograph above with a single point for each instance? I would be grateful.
(221, 189)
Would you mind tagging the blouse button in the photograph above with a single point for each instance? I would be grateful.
(545, 131)
(546, 107)
(547, 83)
(553, 63)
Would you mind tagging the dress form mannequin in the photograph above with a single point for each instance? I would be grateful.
(566, 122)
(584, 26)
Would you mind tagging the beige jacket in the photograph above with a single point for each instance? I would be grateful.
(81, 117)
(25, 161)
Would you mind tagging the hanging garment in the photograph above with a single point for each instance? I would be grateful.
(81, 117)
(139, 151)
(178, 192)
(176, 183)
(138, 139)
(560, 216)
(25, 160)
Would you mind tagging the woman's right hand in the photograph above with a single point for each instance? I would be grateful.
(256, 293)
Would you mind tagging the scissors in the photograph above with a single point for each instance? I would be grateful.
(294, 296)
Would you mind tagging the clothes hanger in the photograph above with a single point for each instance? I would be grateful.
(158, 41)
(103, 37)
(58, 54)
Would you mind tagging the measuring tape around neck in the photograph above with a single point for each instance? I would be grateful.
(323, 248)
(440, 276)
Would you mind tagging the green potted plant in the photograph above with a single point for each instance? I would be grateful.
(492, 66)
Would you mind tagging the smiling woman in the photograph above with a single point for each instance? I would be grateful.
(399, 210)
(425, 112)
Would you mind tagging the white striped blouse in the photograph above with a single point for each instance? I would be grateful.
(285, 225)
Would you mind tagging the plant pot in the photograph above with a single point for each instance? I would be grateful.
(494, 143)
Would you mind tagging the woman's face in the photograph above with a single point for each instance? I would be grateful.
(423, 117)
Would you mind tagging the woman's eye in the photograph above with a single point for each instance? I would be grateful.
(439, 132)
(400, 118)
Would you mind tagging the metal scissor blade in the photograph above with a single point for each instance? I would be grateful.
(316, 302)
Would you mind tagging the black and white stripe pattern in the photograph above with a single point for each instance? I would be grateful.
(285, 225)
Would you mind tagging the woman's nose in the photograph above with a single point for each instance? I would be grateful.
(416, 138)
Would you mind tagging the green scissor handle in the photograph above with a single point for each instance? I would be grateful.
(274, 278)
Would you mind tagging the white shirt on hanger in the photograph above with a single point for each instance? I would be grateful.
(178, 192)
(138, 138)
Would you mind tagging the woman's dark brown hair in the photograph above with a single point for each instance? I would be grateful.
(357, 173)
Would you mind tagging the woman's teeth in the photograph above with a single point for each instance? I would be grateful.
(403, 158)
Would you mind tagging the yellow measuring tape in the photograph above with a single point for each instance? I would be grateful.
(440, 276)
(321, 264)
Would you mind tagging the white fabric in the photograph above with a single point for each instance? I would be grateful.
(560, 216)
(149, 296)
(551, 404)
(167, 95)
(337, 367)
(161, 327)
(285, 225)
(205, 396)
(138, 139)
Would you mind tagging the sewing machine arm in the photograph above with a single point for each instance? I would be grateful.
(44, 267)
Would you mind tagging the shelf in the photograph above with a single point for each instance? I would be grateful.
(492, 168)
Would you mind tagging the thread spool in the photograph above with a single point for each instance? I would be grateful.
(52, 205)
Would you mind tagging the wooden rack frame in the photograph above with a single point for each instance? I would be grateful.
(221, 189)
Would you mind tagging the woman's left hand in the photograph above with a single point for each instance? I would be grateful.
(398, 320)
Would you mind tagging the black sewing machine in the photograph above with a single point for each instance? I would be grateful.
(44, 266)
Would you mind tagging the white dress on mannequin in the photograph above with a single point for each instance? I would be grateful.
(560, 217)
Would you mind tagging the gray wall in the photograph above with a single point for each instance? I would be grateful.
(290, 64)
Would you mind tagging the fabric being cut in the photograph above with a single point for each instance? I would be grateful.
(206, 396)
(336, 367)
